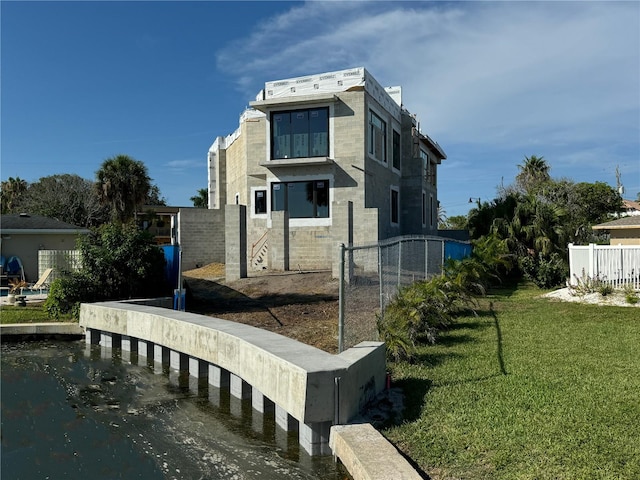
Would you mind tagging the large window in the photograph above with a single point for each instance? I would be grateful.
(377, 137)
(301, 199)
(300, 133)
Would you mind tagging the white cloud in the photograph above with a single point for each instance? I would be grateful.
(474, 71)
(184, 164)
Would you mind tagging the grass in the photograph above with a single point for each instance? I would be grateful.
(32, 313)
(529, 389)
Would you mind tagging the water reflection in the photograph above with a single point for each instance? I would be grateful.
(70, 410)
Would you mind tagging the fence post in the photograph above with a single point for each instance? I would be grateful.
(592, 252)
(341, 301)
(426, 258)
(399, 263)
(380, 279)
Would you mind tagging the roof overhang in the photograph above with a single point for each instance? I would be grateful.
(297, 162)
(292, 102)
(44, 231)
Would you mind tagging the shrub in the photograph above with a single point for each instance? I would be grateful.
(545, 271)
(585, 285)
(66, 293)
(605, 289)
(630, 294)
(119, 261)
(422, 309)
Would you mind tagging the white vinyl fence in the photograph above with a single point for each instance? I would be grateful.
(617, 265)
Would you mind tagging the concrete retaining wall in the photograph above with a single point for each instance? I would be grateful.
(314, 387)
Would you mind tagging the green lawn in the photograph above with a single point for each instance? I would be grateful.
(529, 389)
(33, 313)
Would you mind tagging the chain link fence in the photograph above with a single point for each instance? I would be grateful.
(371, 275)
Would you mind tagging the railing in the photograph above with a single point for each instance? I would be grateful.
(615, 265)
(259, 248)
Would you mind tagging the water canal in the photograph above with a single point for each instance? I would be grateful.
(71, 411)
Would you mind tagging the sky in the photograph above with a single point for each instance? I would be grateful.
(491, 82)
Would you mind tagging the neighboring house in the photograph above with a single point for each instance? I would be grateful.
(631, 208)
(321, 160)
(196, 230)
(24, 235)
(623, 231)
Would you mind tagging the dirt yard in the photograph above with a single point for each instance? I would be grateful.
(299, 305)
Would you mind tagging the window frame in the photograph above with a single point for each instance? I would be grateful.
(255, 192)
(396, 159)
(292, 132)
(394, 210)
(285, 184)
(372, 136)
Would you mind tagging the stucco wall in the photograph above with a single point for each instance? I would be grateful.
(26, 247)
(627, 236)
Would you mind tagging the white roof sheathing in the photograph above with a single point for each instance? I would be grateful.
(333, 82)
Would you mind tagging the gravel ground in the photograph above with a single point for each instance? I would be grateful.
(614, 299)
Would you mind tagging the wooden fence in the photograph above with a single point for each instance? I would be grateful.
(617, 265)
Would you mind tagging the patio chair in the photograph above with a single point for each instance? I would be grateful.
(43, 281)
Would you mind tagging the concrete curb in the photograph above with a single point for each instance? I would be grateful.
(367, 455)
(44, 329)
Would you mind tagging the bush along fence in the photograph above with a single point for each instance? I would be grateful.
(371, 275)
(615, 265)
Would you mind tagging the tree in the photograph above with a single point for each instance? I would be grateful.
(456, 222)
(123, 184)
(155, 197)
(119, 261)
(201, 200)
(533, 173)
(10, 193)
(68, 198)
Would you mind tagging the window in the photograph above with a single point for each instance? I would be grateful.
(301, 199)
(395, 206)
(424, 209)
(432, 210)
(396, 150)
(300, 133)
(429, 168)
(377, 137)
(260, 201)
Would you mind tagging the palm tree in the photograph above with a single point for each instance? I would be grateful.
(123, 184)
(533, 172)
(10, 192)
(201, 200)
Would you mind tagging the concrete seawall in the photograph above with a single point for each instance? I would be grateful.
(42, 329)
(310, 389)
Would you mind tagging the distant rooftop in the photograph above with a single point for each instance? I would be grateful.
(24, 222)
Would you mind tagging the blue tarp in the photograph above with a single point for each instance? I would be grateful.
(456, 250)
(172, 265)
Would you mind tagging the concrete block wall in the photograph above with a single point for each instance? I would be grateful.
(200, 236)
(235, 231)
(279, 242)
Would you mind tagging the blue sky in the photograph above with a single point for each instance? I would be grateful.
(492, 82)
